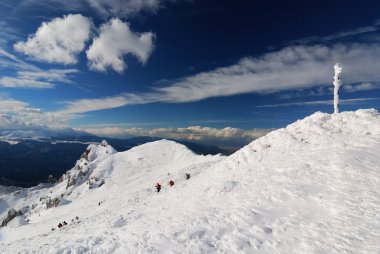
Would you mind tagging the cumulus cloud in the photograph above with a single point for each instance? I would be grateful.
(192, 133)
(58, 41)
(115, 40)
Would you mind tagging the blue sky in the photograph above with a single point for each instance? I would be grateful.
(197, 70)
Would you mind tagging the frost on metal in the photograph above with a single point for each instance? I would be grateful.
(337, 83)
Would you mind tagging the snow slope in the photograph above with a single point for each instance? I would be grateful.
(312, 187)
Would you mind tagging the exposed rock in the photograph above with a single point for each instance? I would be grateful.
(85, 154)
(104, 143)
(11, 215)
(103, 182)
(52, 202)
(70, 181)
(51, 179)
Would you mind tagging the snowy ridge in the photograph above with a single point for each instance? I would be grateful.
(311, 187)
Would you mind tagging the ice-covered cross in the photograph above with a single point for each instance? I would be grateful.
(337, 83)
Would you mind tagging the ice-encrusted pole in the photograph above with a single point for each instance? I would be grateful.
(337, 83)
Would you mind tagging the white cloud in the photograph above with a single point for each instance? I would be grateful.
(10, 61)
(38, 79)
(316, 103)
(19, 120)
(7, 104)
(104, 8)
(348, 33)
(295, 67)
(24, 83)
(319, 91)
(7, 33)
(87, 105)
(124, 8)
(15, 114)
(58, 41)
(193, 133)
(115, 40)
(30, 76)
(361, 87)
(292, 68)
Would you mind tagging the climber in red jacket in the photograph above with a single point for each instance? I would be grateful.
(158, 187)
(171, 183)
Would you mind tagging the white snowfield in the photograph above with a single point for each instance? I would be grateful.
(312, 187)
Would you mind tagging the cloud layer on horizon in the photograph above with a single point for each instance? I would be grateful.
(18, 119)
(191, 133)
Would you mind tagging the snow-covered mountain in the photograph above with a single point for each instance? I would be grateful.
(312, 187)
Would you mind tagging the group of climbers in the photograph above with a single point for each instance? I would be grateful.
(62, 224)
(171, 182)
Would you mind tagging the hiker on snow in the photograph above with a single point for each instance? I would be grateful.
(171, 183)
(158, 187)
(187, 176)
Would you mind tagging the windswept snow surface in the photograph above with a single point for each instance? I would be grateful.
(312, 187)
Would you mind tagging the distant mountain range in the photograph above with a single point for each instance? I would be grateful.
(28, 160)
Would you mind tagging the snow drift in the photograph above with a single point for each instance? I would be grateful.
(307, 188)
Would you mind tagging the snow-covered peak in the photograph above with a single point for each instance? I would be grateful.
(163, 150)
(360, 122)
(308, 188)
(95, 151)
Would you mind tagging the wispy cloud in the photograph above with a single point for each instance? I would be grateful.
(38, 79)
(23, 83)
(291, 68)
(10, 61)
(7, 33)
(30, 76)
(295, 67)
(340, 35)
(319, 91)
(105, 9)
(361, 87)
(316, 103)
(87, 105)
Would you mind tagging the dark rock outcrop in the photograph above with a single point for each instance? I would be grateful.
(52, 202)
(11, 215)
